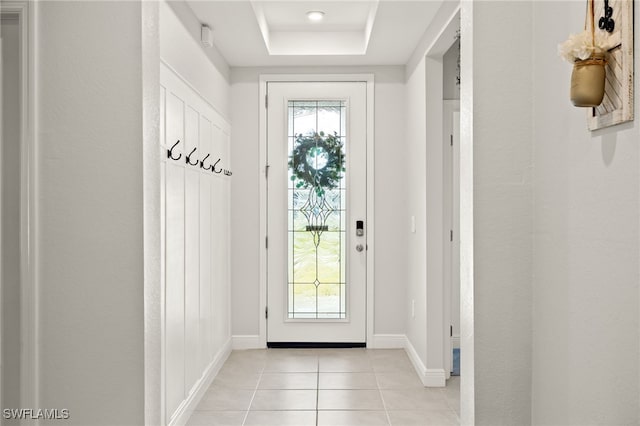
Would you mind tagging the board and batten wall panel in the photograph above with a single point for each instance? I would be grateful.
(195, 240)
(174, 260)
(192, 250)
(221, 246)
(205, 350)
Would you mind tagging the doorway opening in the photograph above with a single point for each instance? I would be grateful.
(451, 214)
(444, 188)
(451, 201)
(317, 211)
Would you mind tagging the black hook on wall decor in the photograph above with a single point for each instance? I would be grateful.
(170, 152)
(606, 22)
(188, 158)
(213, 168)
(202, 163)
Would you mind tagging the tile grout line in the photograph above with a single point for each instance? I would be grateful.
(384, 404)
(317, 388)
(442, 393)
(255, 390)
(451, 408)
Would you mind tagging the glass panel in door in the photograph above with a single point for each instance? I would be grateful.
(316, 253)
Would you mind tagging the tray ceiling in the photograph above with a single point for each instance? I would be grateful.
(271, 33)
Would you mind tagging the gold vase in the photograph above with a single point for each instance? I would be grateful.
(587, 81)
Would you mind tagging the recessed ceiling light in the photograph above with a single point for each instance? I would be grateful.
(315, 15)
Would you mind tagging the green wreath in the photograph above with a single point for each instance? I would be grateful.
(317, 162)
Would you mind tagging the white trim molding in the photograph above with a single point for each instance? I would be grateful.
(434, 378)
(152, 227)
(249, 341)
(29, 304)
(430, 377)
(467, 304)
(369, 79)
(188, 406)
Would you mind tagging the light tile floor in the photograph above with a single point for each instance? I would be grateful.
(332, 387)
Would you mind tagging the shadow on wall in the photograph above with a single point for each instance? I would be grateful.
(610, 140)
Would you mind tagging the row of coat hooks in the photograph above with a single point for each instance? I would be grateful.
(211, 167)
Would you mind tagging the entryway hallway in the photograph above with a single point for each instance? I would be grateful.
(324, 387)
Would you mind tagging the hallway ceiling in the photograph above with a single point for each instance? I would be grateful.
(278, 33)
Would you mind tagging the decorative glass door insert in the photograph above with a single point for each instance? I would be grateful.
(316, 254)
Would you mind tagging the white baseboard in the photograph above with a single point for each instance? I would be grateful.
(188, 406)
(430, 377)
(415, 360)
(388, 341)
(434, 378)
(249, 341)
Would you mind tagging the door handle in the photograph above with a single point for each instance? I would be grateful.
(359, 247)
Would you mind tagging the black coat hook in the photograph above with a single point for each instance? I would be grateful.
(213, 168)
(202, 163)
(170, 152)
(606, 22)
(188, 158)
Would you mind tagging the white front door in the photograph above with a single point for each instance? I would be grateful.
(316, 212)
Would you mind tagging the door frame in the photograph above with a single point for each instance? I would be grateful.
(450, 168)
(317, 78)
(29, 328)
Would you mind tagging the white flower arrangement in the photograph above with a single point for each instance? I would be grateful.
(581, 46)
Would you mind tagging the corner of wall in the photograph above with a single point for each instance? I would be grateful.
(445, 14)
(151, 211)
(192, 24)
(182, 51)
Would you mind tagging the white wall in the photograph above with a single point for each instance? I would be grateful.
(186, 56)
(90, 217)
(90, 194)
(556, 230)
(390, 202)
(190, 22)
(416, 195)
(587, 243)
(10, 213)
(426, 328)
(500, 101)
